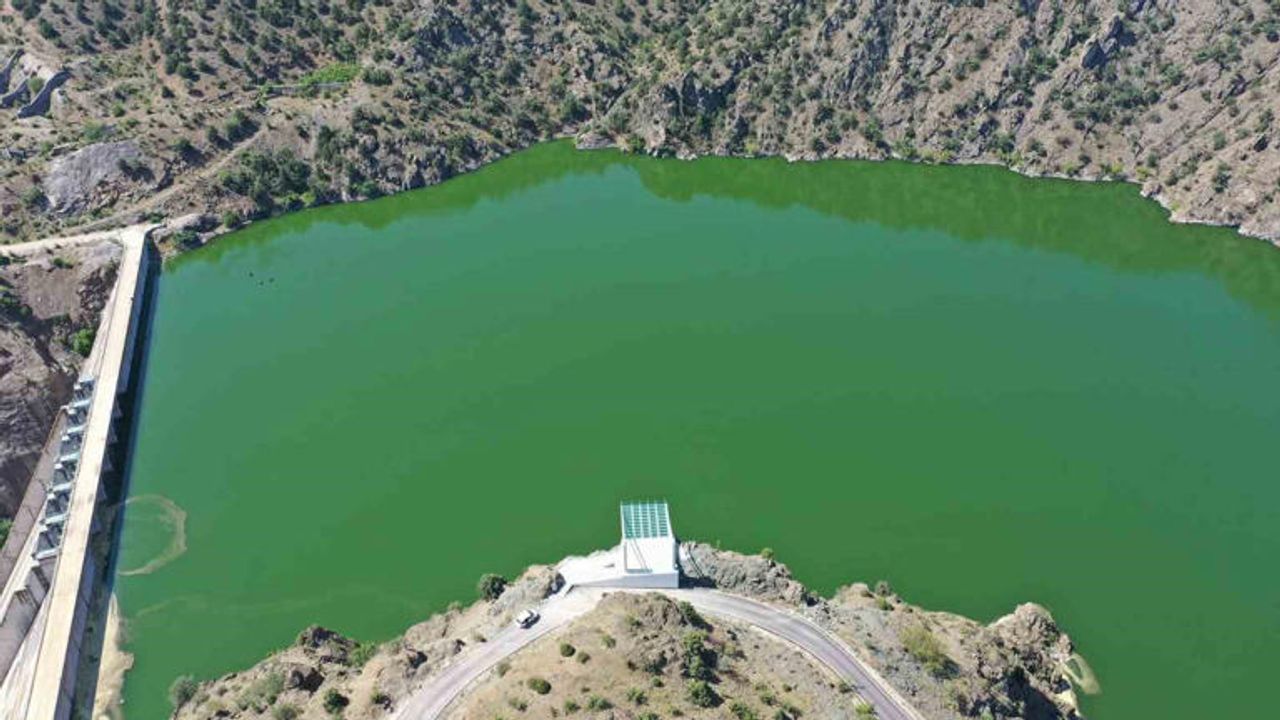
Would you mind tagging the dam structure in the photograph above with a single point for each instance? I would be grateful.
(48, 600)
(647, 556)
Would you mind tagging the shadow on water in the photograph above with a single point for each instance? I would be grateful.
(1110, 223)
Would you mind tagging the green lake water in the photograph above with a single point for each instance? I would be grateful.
(983, 388)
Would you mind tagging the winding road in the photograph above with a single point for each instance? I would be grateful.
(432, 700)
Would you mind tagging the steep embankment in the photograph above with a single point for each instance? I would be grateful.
(241, 108)
(49, 308)
(640, 654)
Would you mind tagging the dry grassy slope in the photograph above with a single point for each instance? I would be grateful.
(1180, 96)
(629, 653)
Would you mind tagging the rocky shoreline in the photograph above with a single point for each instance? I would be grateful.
(621, 660)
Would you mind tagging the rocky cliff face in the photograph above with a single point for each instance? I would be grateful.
(260, 109)
(45, 300)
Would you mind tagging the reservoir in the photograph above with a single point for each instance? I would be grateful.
(983, 388)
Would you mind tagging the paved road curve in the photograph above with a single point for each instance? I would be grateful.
(806, 635)
(432, 700)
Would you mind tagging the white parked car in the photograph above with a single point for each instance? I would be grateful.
(526, 618)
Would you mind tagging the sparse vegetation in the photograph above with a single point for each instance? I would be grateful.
(926, 649)
(412, 97)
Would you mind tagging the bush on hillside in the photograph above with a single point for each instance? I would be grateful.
(491, 586)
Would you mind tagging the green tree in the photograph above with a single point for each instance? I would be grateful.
(491, 586)
(182, 690)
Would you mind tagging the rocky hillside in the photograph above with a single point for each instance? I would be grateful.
(242, 108)
(646, 656)
(49, 308)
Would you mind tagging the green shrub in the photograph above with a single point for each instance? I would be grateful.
(699, 660)
(268, 176)
(691, 615)
(567, 650)
(701, 694)
(94, 132)
(1221, 178)
(596, 702)
(335, 702)
(539, 685)
(285, 712)
(637, 696)
(926, 649)
(491, 586)
(362, 654)
(376, 76)
(182, 690)
(742, 711)
(33, 197)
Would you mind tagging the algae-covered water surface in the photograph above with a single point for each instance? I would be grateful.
(983, 388)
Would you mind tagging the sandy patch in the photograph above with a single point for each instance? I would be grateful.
(112, 669)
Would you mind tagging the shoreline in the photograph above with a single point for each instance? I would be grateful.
(456, 659)
(1148, 190)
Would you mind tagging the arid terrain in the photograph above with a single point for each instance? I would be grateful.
(641, 656)
(239, 109)
(49, 307)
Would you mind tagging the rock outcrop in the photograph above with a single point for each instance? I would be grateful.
(73, 179)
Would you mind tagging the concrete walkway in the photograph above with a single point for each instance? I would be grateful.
(433, 699)
(66, 604)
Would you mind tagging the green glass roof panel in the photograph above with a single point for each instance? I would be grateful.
(645, 520)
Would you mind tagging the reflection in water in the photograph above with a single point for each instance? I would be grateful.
(1106, 223)
(984, 387)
